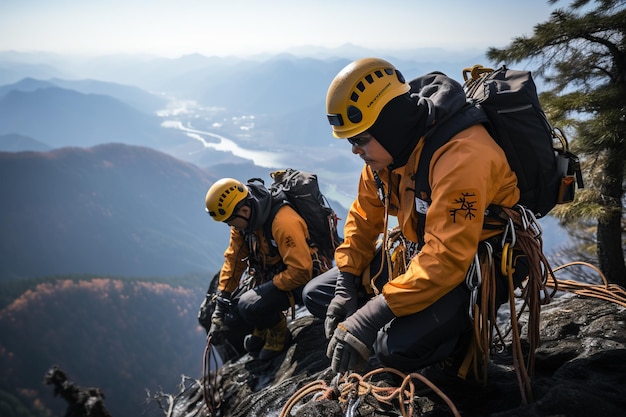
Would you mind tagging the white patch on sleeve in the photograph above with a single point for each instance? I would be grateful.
(421, 206)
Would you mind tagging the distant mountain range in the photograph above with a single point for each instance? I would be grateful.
(285, 92)
(133, 96)
(60, 117)
(112, 209)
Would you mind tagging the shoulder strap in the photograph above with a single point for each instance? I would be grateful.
(278, 200)
(439, 135)
(435, 138)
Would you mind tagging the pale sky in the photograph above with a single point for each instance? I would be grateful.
(233, 27)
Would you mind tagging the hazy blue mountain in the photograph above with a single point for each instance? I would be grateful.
(11, 72)
(139, 99)
(112, 209)
(60, 117)
(134, 96)
(16, 143)
(25, 84)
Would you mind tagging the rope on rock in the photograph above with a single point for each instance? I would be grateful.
(605, 291)
(209, 388)
(351, 388)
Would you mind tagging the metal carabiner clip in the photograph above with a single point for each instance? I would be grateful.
(473, 284)
(509, 230)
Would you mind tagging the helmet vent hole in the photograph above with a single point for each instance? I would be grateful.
(378, 73)
(369, 78)
(400, 76)
(354, 114)
(354, 97)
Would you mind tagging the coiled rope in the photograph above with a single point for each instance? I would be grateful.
(209, 387)
(527, 235)
(351, 389)
(524, 234)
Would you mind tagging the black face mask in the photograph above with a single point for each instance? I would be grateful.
(399, 127)
(259, 200)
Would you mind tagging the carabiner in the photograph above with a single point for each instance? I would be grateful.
(509, 230)
(473, 284)
(506, 264)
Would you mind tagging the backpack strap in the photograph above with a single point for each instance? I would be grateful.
(279, 199)
(435, 138)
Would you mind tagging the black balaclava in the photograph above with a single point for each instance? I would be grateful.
(399, 126)
(260, 202)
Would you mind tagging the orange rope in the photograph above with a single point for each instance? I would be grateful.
(608, 292)
(353, 386)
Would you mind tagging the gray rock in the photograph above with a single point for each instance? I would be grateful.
(580, 371)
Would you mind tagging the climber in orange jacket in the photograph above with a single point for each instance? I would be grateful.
(421, 316)
(280, 264)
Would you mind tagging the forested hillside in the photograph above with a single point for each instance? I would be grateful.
(124, 336)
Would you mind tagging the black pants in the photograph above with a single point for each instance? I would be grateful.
(262, 306)
(407, 343)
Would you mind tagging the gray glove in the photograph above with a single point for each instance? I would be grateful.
(350, 346)
(344, 303)
(218, 326)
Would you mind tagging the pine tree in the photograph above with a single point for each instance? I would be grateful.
(581, 53)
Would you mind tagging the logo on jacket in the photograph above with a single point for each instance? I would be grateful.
(463, 207)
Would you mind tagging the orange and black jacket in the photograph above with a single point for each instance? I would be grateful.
(467, 174)
(290, 236)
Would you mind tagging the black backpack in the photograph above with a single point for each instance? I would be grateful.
(546, 170)
(301, 191)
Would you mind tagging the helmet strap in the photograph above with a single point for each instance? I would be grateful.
(241, 217)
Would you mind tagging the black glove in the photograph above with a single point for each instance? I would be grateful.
(218, 325)
(344, 303)
(350, 346)
(204, 314)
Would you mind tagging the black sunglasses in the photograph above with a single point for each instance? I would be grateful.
(235, 214)
(359, 140)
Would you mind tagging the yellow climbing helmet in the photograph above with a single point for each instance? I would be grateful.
(223, 197)
(359, 92)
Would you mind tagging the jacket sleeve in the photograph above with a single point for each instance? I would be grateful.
(234, 263)
(290, 233)
(467, 174)
(364, 223)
